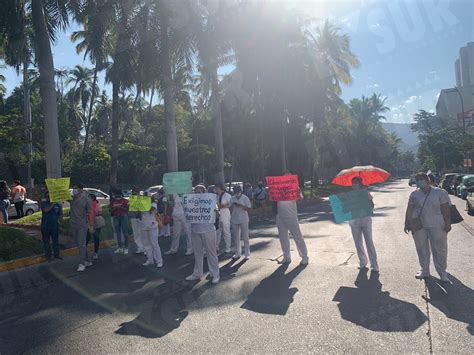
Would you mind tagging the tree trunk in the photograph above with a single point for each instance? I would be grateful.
(91, 106)
(47, 91)
(27, 116)
(217, 118)
(167, 81)
(115, 132)
(283, 143)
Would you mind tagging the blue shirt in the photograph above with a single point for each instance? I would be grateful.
(50, 219)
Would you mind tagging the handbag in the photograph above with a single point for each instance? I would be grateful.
(166, 220)
(415, 223)
(455, 215)
(99, 222)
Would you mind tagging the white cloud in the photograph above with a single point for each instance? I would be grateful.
(373, 86)
(412, 99)
(375, 25)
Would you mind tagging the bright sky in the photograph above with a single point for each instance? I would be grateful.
(407, 47)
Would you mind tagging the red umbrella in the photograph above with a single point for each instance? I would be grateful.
(369, 175)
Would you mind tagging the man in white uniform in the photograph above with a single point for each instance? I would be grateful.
(223, 202)
(180, 224)
(287, 220)
(428, 216)
(239, 219)
(204, 239)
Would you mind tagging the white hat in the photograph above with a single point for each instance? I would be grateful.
(154, 205)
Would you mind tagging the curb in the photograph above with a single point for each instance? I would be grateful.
(39, 259)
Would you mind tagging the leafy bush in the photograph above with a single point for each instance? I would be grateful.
(14, 244)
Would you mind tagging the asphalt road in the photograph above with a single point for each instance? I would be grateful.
(119, 306)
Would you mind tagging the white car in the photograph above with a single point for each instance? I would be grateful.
(152, 190)
(29, 208)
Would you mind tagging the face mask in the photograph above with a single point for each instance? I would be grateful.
(421, 184)
(355, 186)
(75, 192)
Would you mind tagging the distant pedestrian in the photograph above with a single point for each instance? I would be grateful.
(204, 240)
(95, 219)
(223, 203)
(119, 212)
(428, 217)
(287, 221)
(18, 196)
(150, 229)
(180, 225)
(4, 201)
(81, 207)
(248, 191)
(51, 214)
(260, 196)
(362, 230)
(135, 218)
(163, 210)
(239, 219)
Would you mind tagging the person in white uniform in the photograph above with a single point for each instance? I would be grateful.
(223, 202)
(428, 217)
(362, 230)
(179, 225)
(239, 219)
(149, 226)
(287, 220)
(203, 237)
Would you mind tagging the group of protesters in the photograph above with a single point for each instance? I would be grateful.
(428, 203)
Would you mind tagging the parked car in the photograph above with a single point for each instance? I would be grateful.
(470, 201)
(29, 208)
(456, 182)
(412, 180)
(152, 190)
(447, 182)
(467, 181)
(127, 193)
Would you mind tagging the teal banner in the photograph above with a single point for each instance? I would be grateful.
(351, 205)
(180, 182)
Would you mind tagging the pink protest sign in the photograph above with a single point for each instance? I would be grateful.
(283, 188)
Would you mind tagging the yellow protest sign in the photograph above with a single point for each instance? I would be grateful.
(139, 203)
(59, 189)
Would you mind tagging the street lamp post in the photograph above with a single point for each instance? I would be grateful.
(456, 89)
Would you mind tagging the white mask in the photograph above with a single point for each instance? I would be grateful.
(75, 192)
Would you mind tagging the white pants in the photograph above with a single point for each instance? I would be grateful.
(205, 242)
(362, 230)
(150, 242)
(224, 230)
(137, 234)
(291, 224)
(165, 231)
(435, 239)
(180, 224)
(241, 231)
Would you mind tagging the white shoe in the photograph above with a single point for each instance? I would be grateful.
(215, 280)
(420, 275)
(235, 257)
(146, 263)
(170, 252)
(81, 268)
(125, 251)
(227, 251)
(159, 264)
(95, 256)
(87, 263)
(189, 252)
(118, 251)
(247, 257)
(192, 278)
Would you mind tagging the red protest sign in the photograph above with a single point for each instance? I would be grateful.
(283, 188)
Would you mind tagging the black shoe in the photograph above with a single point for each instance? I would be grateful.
(58, 257)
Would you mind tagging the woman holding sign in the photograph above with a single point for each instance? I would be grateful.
(204, 240)
(363, 227)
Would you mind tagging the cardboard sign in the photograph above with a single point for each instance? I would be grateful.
(139, 203)
(200, 208)
(351, 205)
(59, 189)
(283, 188)
(179, 182)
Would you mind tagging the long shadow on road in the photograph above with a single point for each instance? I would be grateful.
(456, 301)
(374, 309)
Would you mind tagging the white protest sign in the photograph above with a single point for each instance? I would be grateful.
(200, 208)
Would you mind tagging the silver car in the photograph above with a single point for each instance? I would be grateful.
(29, 208)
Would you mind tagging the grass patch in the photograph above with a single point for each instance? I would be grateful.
(106, 232)
(15, 243)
